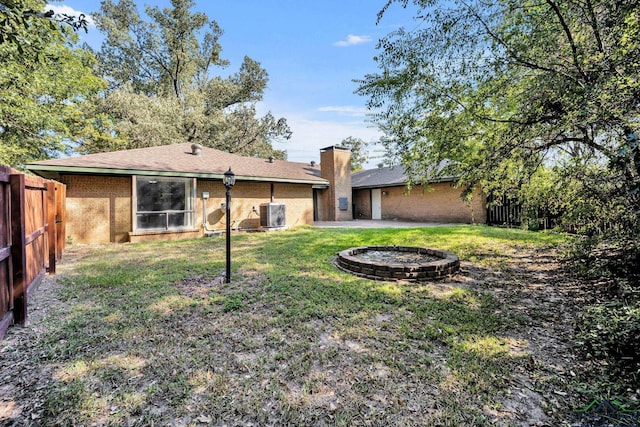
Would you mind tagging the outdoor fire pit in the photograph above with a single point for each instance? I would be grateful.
(398, 262)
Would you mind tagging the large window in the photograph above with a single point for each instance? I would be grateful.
(163, 203)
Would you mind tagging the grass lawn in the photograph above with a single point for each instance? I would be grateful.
(147, 334)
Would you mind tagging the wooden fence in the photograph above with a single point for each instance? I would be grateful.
(505, 212)
(32, 231)
(508, 212)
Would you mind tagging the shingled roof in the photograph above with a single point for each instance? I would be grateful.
(180, 160)
(389, 176)
(379, 177)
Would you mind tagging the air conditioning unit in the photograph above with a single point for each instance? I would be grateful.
(272, 215)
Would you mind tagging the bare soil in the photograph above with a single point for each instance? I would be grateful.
(538, 288)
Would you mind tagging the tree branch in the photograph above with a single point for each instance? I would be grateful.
(522, 61)
(567, 32)
(594, 26)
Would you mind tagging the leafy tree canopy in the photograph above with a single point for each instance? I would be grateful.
(45, 83)
(17, 16)
(501, 87)
(537, 100)
(162, 89)
(358, 152)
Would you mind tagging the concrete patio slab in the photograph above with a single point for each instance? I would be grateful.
(366, 223)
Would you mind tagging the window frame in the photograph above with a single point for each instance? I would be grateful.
(189, 204)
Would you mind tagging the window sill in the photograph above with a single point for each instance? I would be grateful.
(154, 232)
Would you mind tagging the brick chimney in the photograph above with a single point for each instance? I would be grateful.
(335, 167)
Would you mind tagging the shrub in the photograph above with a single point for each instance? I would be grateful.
(611, 331)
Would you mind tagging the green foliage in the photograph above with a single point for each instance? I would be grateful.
(610, 334)
(609, 328)
(358, 152)
(163, 89)
(45, 86)
(18, 17)
(613, 331)
(587, 199)
(500, 88)
(160, 55)
(538, 101)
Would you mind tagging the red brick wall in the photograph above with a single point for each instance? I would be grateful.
(335, 166)
(440, 202)
(247, 195)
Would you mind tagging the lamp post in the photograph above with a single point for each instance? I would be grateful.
(228, 180)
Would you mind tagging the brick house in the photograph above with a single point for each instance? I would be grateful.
(382, 194)
(176, 191)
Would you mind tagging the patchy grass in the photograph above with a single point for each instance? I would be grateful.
(150, 335)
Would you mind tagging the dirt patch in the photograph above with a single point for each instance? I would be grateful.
(200, 286)
(537, 288)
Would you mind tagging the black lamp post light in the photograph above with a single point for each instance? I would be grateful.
(228, 180)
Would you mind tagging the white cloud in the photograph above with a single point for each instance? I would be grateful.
(67, 10)
(345, 110)
(312, 132)
(310, 135)
(352, 40)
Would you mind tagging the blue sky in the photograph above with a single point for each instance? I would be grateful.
(312, 51)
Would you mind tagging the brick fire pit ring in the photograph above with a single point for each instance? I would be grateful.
(398, 263)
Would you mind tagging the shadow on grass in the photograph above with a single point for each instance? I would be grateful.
(150, 334)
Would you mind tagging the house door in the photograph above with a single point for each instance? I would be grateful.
(376, 203)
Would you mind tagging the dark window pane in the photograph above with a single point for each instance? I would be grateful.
(152, 221)
(177, 219)
(177, 197)
(158, 198)
(158, 195)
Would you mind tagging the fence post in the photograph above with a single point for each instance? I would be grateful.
(61, 195)
(18, 250)
(51, 225)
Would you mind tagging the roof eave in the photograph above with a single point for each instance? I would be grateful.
(50, 171)
(391, 184)
(402, 184)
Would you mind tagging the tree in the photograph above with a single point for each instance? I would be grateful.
(16, 16)
(45, 84)
(537, 100)
(501, 87)
(358, 152)
(162, 68)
